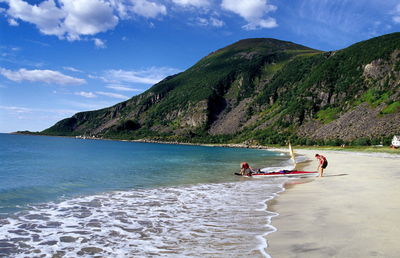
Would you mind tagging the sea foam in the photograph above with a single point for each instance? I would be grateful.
(205, 220)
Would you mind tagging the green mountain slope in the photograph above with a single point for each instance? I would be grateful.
(264, 91)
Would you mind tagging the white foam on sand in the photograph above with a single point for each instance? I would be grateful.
(207, 220)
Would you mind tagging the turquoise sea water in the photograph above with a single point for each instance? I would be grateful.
(36, 169)
(73, 197)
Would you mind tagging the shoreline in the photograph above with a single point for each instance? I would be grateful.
(225, 145)
(317, 216)
(350, 212)
(348, 149)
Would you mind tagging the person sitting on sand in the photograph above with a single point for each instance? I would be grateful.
(245, 168)
(323, 163)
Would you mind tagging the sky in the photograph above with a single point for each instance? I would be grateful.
(60, 57)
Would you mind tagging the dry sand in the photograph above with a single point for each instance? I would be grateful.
(354, 211)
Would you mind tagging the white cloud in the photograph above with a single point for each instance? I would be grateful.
(343, 20)
(148, 9)
(202, 21)
(46, 15)
(12, 22)
(195, 3)
(24, 110)
(66, 19)
(71, 19)
(214, 22)
(14, 109)
(112, 95)
(99, 43)
(126, 9)
(396, 12)
(148, 76)
(118, 87)
(131, 76)
(253, 11)
(85, 94)
(46, 76)
(397, 8)
(262, 23)
(87, 17)
(72, 69)
(85, 105)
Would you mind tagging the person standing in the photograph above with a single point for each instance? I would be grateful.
(323, 163)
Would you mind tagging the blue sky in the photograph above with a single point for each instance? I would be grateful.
(59, 57)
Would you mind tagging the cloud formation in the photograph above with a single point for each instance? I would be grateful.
(46, 15)
(46, 76)
(112, 95)
(85, 94)
(253, 11)
(91, 95)
(214, 22)
(82, 19)
(87, 17)
(148, 76)
(118, 87)
(195, 3)
(72, 19)
(72, 69)
(15, 109)
(147, 9)
(99, 43)
(13, 22)
(396, 12)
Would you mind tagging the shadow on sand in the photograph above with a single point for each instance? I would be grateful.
(336, 175)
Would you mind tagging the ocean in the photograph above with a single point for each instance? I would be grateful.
(66, 197)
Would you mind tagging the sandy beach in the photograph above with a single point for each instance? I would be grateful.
(353, 211)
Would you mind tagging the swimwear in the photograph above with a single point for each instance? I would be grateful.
(325, 164)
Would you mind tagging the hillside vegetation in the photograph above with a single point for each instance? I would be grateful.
(264, 91)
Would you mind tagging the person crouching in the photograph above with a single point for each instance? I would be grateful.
(245, 169)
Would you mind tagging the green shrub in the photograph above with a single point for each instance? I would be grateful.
(361, 142)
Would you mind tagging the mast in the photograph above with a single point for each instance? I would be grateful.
(292, 156)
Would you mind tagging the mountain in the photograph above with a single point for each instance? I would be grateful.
(263, 91)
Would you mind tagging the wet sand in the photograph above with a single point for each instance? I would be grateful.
(353, 211)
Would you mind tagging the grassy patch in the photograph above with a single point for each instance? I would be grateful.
(375, 97)
(392, 108)
(273, 68)
(327, 115)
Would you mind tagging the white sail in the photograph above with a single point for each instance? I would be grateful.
(292, 156)
(289, 167)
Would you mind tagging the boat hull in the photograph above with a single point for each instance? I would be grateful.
(283, 173)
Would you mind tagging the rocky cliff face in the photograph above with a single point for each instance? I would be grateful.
(263, 90)
(362, 121)
(367, 119)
